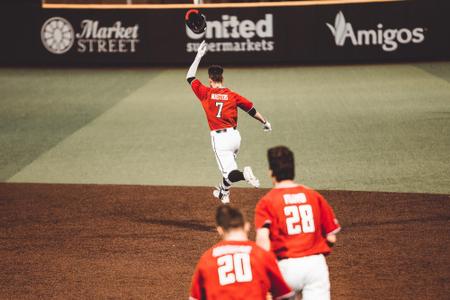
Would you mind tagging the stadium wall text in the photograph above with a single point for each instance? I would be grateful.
(364, 32)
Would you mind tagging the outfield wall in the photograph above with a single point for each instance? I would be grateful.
(323, 32)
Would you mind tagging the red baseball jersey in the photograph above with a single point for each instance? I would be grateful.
(220, 105)
(238, 270)
(299, 219)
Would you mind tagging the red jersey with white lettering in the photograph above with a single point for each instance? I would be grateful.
(220, 105)
(299, 219)
(237, 270)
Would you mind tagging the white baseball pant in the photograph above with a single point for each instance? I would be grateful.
(308, 275)
(226, 145)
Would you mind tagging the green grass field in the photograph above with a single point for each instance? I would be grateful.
(363, 127)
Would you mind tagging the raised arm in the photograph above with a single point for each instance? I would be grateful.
(190, 76)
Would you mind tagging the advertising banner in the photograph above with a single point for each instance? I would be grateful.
(390, 31)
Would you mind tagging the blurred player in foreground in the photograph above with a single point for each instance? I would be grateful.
(220, 105)
(237, 268)
(299, 226)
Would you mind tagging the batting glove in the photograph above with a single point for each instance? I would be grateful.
(201, 49)
(267, 127)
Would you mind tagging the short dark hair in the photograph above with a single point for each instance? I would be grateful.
(281, 162)
(229, 217)
(215, 73)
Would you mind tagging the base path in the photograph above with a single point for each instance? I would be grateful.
(142, 242)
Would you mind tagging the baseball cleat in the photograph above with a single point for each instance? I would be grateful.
(250, 177)
(222, 195)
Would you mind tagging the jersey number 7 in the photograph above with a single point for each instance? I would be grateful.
(219, 111)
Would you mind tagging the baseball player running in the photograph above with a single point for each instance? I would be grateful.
(299, 226)
(220, 105)
(237, 268)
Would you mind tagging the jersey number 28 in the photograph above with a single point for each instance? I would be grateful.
(299, 219)
(234, 268)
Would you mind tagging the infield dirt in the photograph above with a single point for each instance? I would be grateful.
(136, 242)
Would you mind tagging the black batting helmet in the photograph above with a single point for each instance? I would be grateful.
(195, 21)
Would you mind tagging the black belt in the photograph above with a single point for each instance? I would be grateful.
(224, 130)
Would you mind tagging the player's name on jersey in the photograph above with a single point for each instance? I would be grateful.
(230, 249)
(219, 97)
(294, 198)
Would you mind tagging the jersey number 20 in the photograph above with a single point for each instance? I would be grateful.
(234, 268)
(299, 219)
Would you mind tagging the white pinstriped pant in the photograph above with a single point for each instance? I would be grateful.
(226, 146)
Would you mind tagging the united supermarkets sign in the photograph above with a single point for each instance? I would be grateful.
(231, 34)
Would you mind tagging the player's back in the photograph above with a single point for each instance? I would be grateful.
(299, 219)
(236, 270)
(220, 105)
